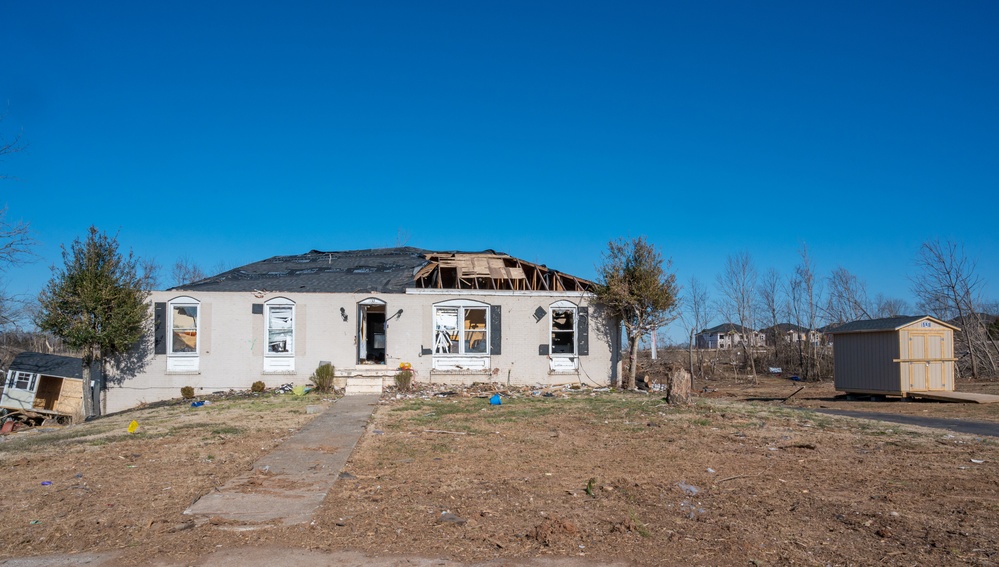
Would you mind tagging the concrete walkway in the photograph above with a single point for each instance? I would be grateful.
(287, 485)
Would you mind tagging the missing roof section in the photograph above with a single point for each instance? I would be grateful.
(493, 271)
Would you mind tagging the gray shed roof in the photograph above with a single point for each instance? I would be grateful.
(384, 270)
(48, 364)
(886, 324)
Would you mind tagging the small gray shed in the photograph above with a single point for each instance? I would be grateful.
(894, 356)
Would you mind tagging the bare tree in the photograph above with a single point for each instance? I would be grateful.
(847, 298)
(16, 241)
(185, 271)
(773, 304)
(738, 289)
(804, 297)
(695, 315)
(948, 287)
(9, 146)
(890, 306)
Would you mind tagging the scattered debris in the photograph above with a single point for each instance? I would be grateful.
(553, 531)
(447, 517)
(689, 489)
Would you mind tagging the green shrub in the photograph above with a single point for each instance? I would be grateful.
(187, 392)
(404, 380)
(258, 387)
(323, 378)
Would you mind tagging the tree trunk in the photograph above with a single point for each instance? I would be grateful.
(679, 387)
(690, 355)
(98, 388)
(88, 400)
(633, 349)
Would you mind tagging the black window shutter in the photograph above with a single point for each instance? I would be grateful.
(257, 309)
(159, 328)
(495, 330)
(583, 328)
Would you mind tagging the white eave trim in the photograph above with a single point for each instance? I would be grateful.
(497, 292)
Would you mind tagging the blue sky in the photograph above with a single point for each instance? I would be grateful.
(236, 131)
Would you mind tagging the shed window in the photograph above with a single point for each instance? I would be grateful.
(21, 381)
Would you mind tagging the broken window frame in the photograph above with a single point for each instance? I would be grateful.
(563, 307)
(275, 334)
(458, 339)
(173, 307)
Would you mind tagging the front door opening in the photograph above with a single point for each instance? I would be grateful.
(371, 333)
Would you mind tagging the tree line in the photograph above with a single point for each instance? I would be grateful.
(945, 284)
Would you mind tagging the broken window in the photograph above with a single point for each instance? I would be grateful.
(475, 330)
(564, 331)
(184, 328)
(280, 319)
(470, 336)
(446, 330)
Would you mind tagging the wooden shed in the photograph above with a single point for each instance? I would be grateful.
(45, 384)
(894, 356)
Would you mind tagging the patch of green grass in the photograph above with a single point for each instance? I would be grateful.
(68, 436)
(111, 439)
(227, 430)
(640, 527)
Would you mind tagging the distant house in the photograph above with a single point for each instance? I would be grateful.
(46, 384)
(455, 317)
(728, 335)
(789, 333)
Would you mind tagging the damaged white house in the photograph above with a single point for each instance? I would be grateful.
(456, 317)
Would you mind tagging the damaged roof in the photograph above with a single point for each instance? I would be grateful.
(48, 364)
(388, 270)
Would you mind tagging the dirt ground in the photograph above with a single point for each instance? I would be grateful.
(738, 477)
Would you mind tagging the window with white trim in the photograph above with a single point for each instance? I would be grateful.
(563, 328)
(279, 317)
(461, 328)
(184, 323)
(21, 381)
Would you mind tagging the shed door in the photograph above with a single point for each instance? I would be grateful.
(917, 363)
(926, 362)
(934, 362)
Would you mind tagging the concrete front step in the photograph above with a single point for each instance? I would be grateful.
(363, 385)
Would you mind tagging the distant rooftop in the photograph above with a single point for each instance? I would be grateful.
(388, 270)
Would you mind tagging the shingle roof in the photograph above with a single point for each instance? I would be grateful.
(48, 364)
(385, 270)
(726, 328)
(879, 325)
(784, 328)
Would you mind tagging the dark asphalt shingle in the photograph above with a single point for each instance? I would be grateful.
(382, 270)
(48, 364)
